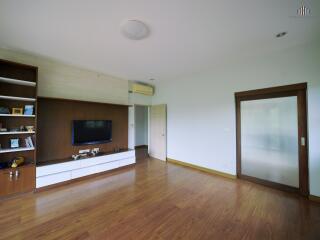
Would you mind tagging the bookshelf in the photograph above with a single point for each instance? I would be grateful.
(18, 88)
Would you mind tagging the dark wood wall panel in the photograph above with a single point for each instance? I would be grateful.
(55, 118)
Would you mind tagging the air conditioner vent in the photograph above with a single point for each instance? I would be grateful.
(142, 89)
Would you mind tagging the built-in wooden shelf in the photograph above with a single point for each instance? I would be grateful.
(17, 98)
(22, 149)
(17, 82)
(17, 133)
(16, 115)
(18, 87)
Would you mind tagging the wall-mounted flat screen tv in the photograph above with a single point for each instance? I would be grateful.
(91, 131)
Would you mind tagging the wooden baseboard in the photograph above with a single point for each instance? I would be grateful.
(211, 171)
(314, 198)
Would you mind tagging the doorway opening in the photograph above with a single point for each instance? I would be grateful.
(147, 132)
(138, 132)
(141, 115)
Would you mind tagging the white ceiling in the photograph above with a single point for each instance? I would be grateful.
(186, 35)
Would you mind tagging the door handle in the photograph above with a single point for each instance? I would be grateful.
(303, 141)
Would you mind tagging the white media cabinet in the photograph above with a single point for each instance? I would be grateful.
(60, 172)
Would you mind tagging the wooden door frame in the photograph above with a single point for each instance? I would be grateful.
(298, 90)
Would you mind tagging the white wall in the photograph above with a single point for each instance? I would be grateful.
(64, 81)
(201, 109)
(141, 125)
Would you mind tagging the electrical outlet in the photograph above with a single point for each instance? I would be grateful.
(84, 151)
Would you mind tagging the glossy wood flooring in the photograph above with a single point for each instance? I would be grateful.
(141, 153)
(155, 200)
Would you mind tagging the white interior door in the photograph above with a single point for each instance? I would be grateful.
(158, 132)
(131, 131)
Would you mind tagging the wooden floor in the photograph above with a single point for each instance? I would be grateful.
(155, 200)
(141, 153)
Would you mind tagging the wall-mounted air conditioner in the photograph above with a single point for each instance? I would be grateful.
(142, 89)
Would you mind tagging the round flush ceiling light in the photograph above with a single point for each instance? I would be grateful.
(135, 29)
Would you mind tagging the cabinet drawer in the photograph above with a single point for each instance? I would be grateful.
(94, 169)
(56, 168)
(94, 161)
(53, 178)
(17, 180)
(128, 161)
(7, 183)
(127, 154)
(105, 159)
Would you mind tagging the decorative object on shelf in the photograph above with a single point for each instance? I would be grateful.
(4, 110)
(3, 130)
(79, 156)
(17, 161)
(29, 142)
(22, 128)
(30, 128)
(18, 111)
(14, 130)
(28, 110)
(94, 151)
(75, 157)
(14, 143)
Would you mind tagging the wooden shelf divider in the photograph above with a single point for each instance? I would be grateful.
(17, 133)
(16, 115)
(22, 149)
(17, 82)
(17, 98)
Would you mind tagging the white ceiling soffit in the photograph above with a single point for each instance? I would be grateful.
(185, 35)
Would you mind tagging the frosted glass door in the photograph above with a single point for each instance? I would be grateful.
(269, 140)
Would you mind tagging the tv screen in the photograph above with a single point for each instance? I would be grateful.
(91, 131)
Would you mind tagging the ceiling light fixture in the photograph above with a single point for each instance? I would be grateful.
(282, 34)
(135, 29)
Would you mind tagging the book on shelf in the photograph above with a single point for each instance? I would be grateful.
(29, 142)
(28, 110)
